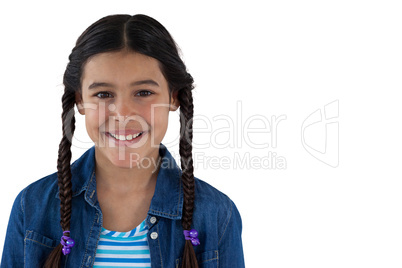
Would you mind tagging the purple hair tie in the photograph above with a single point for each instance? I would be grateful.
(67, 243)
(192, 235)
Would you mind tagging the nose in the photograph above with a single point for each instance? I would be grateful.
(122, 108)
(125, 114)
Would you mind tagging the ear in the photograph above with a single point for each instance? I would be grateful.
(174, 102)
(78, 101)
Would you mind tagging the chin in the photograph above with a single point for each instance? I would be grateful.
(124, 161)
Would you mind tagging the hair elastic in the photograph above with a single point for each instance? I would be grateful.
(67, 243)
(192, 235)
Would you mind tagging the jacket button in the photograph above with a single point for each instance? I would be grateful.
(154, 235)
(88, 261)
(152, 220)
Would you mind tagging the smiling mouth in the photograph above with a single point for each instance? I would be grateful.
(129, 137)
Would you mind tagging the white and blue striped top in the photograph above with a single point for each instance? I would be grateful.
(123, 249)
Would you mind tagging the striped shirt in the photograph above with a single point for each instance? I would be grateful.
(123, 249)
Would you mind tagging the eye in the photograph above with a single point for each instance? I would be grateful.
(103, 95)
(144, 93)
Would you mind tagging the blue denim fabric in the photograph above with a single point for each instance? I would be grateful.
(34, 225)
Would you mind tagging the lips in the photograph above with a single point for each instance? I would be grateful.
(125, 137)
(124, 132)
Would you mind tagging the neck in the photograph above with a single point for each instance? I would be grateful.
(126, 180)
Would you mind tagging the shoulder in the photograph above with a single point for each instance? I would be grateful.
(45, 186)
(214, 206)
(37, 194)
(209, 195)
(44, 191)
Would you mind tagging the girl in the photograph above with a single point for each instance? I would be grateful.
(124, 202)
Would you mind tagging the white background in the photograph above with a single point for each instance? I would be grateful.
(285, 58)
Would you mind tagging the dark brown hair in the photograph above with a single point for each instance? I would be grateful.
(145, 35)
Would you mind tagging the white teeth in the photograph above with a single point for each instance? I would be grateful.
(134, 136)
(124, 138)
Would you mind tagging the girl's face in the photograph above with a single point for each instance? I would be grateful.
(124, 93)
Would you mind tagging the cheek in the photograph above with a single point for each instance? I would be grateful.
(160, 118)
(95, 117)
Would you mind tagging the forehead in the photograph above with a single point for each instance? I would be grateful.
(121, 67)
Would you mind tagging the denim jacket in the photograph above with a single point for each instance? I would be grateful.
(34, 225)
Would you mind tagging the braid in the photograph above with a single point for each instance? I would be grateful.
(64, 173)
(186, 137)
(63, 162)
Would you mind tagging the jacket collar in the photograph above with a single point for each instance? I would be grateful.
(168, 197)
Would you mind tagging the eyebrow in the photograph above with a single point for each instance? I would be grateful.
(137, 83)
